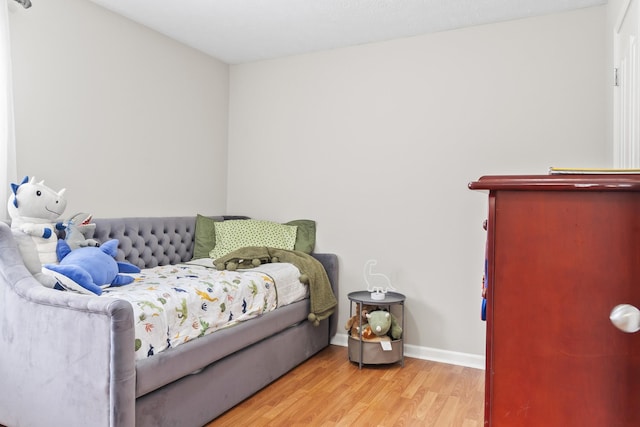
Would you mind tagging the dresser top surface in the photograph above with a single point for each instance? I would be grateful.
(559, 182)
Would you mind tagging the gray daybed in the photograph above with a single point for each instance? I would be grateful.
(67, 359)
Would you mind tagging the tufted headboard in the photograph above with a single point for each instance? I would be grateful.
(150, 241)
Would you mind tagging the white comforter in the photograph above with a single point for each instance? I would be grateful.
(176, 303)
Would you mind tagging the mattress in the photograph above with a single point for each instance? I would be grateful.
(174, 304)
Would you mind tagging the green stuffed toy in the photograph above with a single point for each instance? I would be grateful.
(384, 323)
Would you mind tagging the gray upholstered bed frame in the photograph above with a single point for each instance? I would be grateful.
(68, 359)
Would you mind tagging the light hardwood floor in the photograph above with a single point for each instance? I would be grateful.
(328, 390)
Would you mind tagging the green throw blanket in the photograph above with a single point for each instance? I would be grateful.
(322, 299)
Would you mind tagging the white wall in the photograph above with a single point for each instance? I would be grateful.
(130, 122)
(378, 142)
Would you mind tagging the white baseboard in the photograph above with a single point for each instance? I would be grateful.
(434, 354)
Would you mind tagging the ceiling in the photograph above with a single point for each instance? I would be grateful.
(239, 31)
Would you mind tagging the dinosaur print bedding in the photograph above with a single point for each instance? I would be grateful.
(173, 304)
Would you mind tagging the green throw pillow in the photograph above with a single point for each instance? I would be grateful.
(236, 234)
(306, 236)
(205, 237)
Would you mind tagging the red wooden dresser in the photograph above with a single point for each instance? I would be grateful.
(562, 251)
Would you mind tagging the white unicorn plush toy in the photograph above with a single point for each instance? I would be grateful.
(34, 209)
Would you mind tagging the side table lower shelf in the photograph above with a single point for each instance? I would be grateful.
(372, 353)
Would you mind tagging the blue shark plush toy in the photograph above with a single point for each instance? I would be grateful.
(90, 269)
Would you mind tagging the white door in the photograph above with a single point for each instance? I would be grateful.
(627, 91)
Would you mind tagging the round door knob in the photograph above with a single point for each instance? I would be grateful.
(626, 317)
